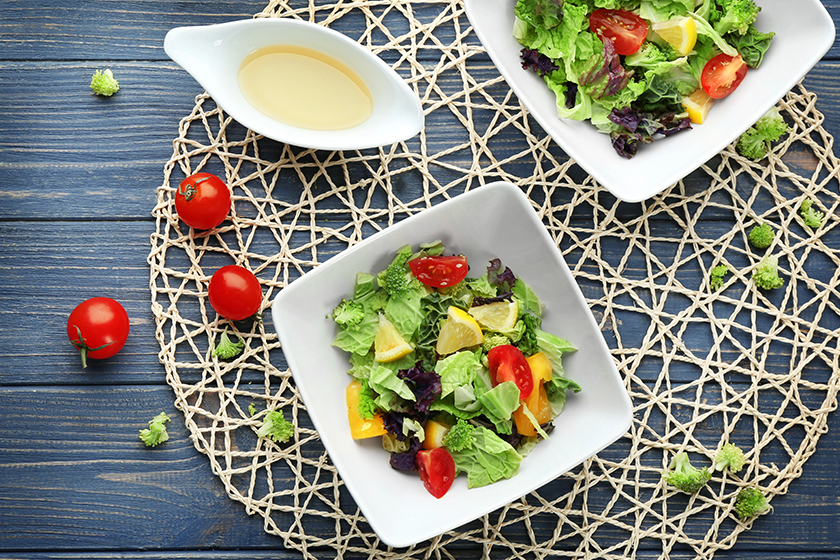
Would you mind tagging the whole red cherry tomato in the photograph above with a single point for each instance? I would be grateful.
(722, 74)
(439, 272)
(507, 363)
(437, 470)
(625, 29)
(235, 293)
(98, 328)
(202, 201)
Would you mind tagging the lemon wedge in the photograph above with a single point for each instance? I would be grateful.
(498, 316)
(680, 33)
(459, 331)
(388, 344)
(698, 104)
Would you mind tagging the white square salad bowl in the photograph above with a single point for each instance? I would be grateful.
(804, 31)
(495, 220)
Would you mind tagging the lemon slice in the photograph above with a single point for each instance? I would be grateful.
(498, 316)
(389, 345)
(680, 33)
(698, 104)
(459, 331)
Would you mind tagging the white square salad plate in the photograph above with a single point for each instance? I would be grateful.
(804, 33)
(495, 220)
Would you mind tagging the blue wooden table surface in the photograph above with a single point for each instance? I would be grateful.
(77, 184)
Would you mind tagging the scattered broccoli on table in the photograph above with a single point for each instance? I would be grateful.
(461, 436)
(751, 502)
(276, 428)
(766, 273)
(252, 409)
(755, 143)
(761, 236)
(104, 83)
(685, 477)
(812, 217)
(156, 432)
(729, 457)
(227, 348)
(716, 277)
(348, 313)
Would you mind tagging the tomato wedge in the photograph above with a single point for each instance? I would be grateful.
(625, 29)
(439, 272)
(437, 470)
(507, 363)
(722, 74)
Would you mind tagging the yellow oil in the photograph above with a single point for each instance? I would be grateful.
(304, 88)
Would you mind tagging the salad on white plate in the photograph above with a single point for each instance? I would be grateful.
(639, 69)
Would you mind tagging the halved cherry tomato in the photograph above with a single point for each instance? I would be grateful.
(722, 74)
(625, 29)
(202, 201)
(439, 272)
(98, 328)
(234, 292)
(437, 470)
(507, 363)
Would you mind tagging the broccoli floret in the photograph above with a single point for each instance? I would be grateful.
(755, 143)
(729, 457)
(716, 277)
(103, 83)
(348, 313)
(683, 476)
(766, 273)
(813, 218)
(227, 348)
(751, 502)
(276, 427)
(460, 437)
(761, 236)
(156, 432)
(735, 16)
(252, 409)
(491, 340)
(397, 279)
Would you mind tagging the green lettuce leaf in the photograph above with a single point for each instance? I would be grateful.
(457, 370)
(489, 460)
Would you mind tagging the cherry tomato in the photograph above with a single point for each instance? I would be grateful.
(722, 74)
(437, 470)
(626, 30)
(202, 201)
(235, 293)
(98, 328)
(507, 363)
(439, 272)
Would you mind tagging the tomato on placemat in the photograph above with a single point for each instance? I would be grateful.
(439, 272)
(235, 292)
(98, 328)
(202, 201)
(437, 470)
(625, 29)
(507, 363)
(722, 74)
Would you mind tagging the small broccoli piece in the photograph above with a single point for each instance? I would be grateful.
(766, 273)
(275, 427)
(736, 16)
(103, 83)
(751, 502)
(756, 142)
(716, 277)
(491, 340)
(683, 476)
(813, 218)
(227, 348)
(252, 409)
(348, 313)
(460, 437)
(156, 432)
(729, 457)
(397, 279)
(761, 236)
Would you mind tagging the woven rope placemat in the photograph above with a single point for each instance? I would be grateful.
(758, 369)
